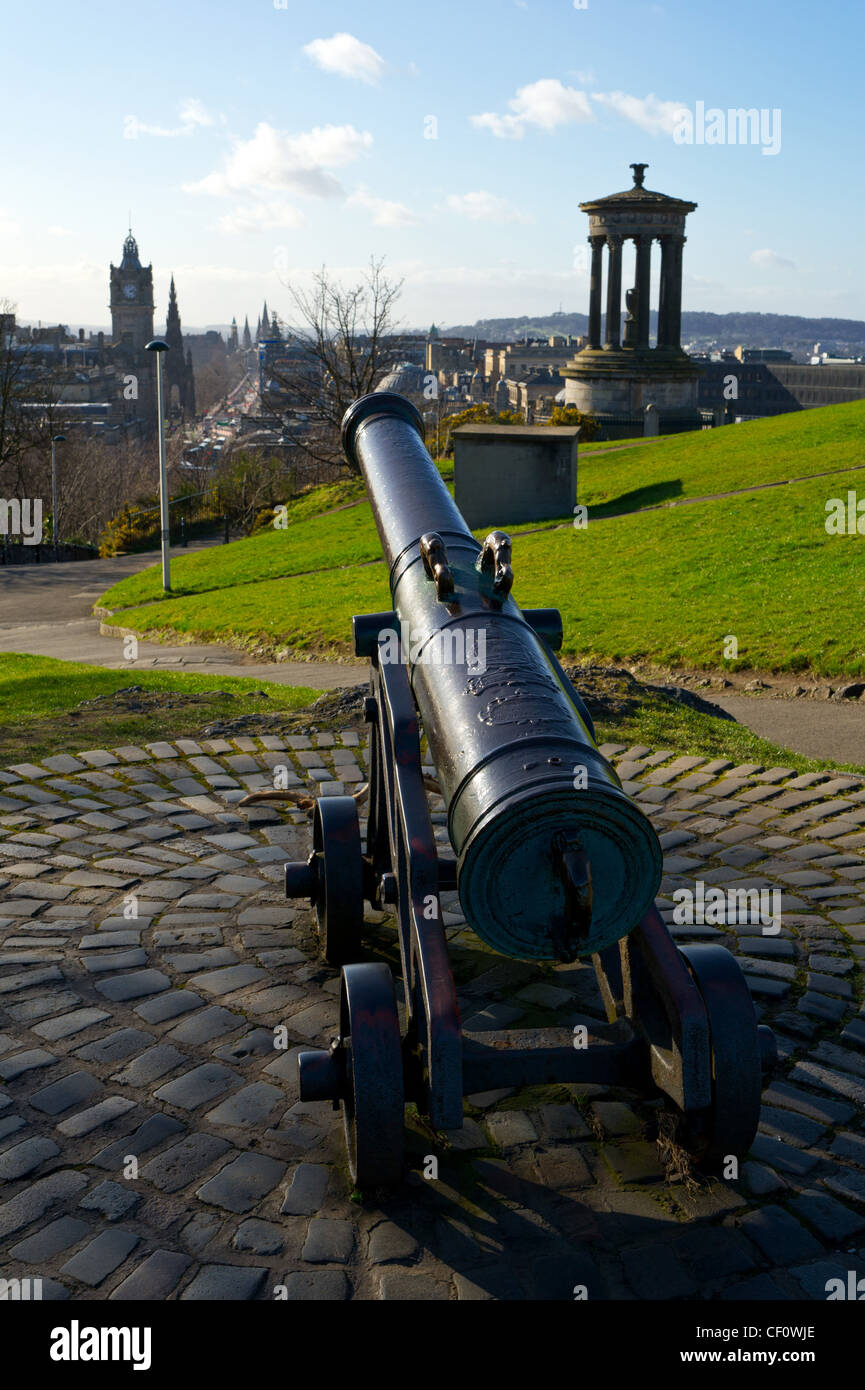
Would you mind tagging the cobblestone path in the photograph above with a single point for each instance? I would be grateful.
(151, 1140)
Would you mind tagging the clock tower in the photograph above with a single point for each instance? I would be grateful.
(131, 299)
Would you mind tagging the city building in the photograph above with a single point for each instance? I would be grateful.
(752, 390)
(534, 396)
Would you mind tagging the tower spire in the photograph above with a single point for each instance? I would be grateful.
(179, 377)
(173, 333)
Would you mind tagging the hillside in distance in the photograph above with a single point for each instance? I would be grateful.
(754, 330)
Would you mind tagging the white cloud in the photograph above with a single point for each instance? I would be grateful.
(262, 217)
(193, 112)
(384, 212)
(273, 160)
(771, 260)
(485, 207)
(649, 113)
(193, 116)
(547, 103)
(8, 227)
(132, 128)
(58, 231)
(346, 56)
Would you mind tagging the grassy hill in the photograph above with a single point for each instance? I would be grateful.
(100, 708)
(645, 579)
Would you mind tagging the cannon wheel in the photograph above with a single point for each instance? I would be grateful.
(339, 888)
(730, 1125)
(374, 1100)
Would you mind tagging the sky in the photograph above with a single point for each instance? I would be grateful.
(253, 141)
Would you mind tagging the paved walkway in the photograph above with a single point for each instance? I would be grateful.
(46, 610)
(60, 593)
(821, 729)
(151, 1140)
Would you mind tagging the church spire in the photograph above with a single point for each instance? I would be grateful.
(179, 377)
(173, 334)
(247, 336)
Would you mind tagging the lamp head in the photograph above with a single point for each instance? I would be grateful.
(157, 345)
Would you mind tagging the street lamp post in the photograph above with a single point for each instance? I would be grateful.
(55, 533)
(159, 345)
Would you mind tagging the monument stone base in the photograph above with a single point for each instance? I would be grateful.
(615, 386)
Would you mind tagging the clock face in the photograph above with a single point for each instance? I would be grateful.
(129, 290)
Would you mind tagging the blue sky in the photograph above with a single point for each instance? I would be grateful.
(253, 143)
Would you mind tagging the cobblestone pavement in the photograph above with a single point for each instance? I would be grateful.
(151, 1140)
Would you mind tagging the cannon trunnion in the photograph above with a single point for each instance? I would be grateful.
(552, 859)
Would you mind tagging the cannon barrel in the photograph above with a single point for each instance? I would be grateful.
(554, 860)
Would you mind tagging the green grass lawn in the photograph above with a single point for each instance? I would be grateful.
(310, 534)
(705, 462)
(670, 586)
(40, 702)
(666, 584)
(591, 445)
(689, 465)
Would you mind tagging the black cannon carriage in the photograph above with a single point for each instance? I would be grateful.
(552, 860)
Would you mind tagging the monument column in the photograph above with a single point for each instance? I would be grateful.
(665, 298)
(595, 282)
(643, 288)
(674, 306)
(614, 292)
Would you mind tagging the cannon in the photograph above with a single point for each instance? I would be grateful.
(551, 860)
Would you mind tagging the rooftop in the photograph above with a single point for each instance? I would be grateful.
(638, 197)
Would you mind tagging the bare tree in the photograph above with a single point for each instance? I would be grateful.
(24, 385)
(344, 343)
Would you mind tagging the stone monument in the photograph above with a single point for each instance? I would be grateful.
(616, 379)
